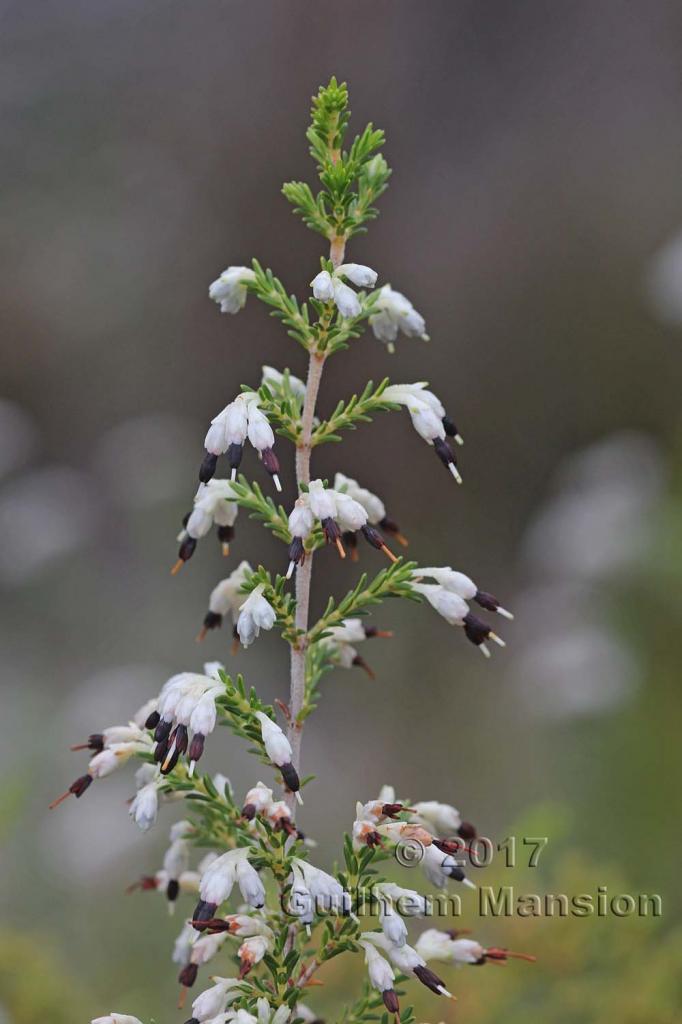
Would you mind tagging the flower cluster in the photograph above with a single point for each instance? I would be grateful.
(242, 419)
(214, 503)
(254, 888)
(429, 419)
(449, 595)
(394, 313)
(332, 288)
(338, 513)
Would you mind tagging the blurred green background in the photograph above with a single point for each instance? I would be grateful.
(533, 218)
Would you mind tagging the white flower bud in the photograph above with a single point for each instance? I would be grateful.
(322, 286)
(396, 313)
(357, 274)
(230, 289)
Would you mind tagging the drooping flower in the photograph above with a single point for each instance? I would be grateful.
(448, 947)
(464, 587)
(219, 878)
(252, 951)
(213, 1001)
(326, 891)
(443, 818)
(331, 287)
(239, 420)
(439, 867)
(429, 419)
(455, 611)
(145, 806)
(381, 976)
(408, 960)
(186, 704)
(257, 801)
(301, 522)
(214, 503)
(396, 313)
(339, 513)
(230, 289)
(226, 598)
(339, 643)
(107, 759)
(373, 506)
(278, 749)
(256, 613)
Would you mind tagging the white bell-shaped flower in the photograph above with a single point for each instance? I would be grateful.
(331, 287)
(396, 313)
(230, 289)
(256, 613)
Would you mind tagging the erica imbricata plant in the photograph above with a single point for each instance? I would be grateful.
(238, 864)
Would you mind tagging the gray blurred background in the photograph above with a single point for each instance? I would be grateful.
(533, 218)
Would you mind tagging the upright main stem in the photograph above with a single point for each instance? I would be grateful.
(304, 571)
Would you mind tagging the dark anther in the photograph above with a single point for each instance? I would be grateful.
(449, 427)
(160, 751)
(391, 810)
(372, 536)
(188, 975)
(172, 890)
(290, 776)
(296, 551)
(391, 1001)
(169, 762)
(153, 720)
(204, 911)
(234, 455)
(162, 730)
(207, 468)
(431, 980)
(225, 534)
(212, 620)
(181, 738)
(249, 811)
(196, 747)
(270, 461)
(444, 452)
(467, 831)
(487, 601)
(80, 785)
(331, 531)
(476, 630)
